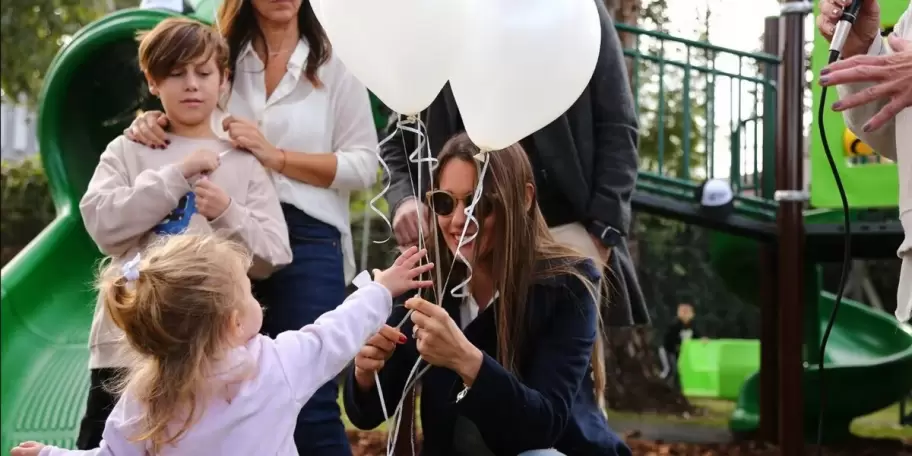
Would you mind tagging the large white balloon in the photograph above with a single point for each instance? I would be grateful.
(523, 63)
(402, 50)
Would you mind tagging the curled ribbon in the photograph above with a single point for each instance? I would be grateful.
(459, 290)
(414, 157)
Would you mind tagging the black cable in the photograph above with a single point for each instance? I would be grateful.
(834, 56)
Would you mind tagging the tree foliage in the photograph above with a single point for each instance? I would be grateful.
(33, 32)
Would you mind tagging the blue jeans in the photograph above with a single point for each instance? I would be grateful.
(313, 284)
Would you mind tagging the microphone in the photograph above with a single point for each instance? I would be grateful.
(843, 27)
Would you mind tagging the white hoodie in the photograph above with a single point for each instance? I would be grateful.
(894, 141)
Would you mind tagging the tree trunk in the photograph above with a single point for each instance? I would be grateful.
(626, 12)
(631, 362)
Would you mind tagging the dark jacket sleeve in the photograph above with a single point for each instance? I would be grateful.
(672, 338)
(363, 407)
(395, 153)
(538, 407)
(615, 156)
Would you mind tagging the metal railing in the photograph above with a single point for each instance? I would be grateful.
(705, 112)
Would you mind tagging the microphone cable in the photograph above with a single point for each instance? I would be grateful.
(841, 33)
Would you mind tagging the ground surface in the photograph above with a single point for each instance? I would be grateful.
(706, 434)
(373, 443)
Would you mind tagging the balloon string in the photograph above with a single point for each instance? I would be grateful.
(389, 182)
(404, 125)
(459, 291)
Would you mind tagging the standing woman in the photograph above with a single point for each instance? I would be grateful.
(305, 117)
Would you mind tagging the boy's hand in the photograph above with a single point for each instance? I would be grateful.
(199, 162)
(27, 449)
(211, 200)
(400, 277)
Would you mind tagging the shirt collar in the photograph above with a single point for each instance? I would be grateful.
(296, 62)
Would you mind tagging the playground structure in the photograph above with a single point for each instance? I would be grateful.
(93, 90)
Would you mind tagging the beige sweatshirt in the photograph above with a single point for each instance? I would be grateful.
(893, 141)
(138, 194)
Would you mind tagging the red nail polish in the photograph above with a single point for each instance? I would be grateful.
(403, 339)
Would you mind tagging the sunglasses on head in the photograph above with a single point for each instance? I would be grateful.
(443, 203)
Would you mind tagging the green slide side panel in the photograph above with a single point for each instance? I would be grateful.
(868, 367)
(47, 296)
(867, 186)
(45, 314)
(717, 368)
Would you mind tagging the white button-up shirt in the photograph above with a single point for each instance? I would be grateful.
(335, 118)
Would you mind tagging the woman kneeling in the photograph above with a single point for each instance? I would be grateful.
(516, 364)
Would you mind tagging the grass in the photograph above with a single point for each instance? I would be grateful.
(880, 424)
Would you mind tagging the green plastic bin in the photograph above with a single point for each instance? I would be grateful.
(717, 368)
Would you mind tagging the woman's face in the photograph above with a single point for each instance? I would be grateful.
(277, 11)
(455, 192)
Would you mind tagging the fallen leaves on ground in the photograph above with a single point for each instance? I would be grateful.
(373, 443)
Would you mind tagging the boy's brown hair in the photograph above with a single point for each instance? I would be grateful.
(178, 41)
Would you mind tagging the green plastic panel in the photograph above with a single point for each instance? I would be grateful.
(717, 368)
(866, 185)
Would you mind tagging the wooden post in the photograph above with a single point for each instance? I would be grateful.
(769, 300)
(792, 199)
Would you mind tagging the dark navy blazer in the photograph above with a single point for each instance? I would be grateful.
(550, 405)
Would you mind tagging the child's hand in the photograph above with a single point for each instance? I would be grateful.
(27, 449)
(200, 161)
(211, 200)
(400, 277)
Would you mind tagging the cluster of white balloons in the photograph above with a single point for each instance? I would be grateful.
(514, 65)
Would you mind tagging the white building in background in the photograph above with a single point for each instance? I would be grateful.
(18, 132)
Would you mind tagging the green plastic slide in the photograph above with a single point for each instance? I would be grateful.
(47, 299)
(868, 367)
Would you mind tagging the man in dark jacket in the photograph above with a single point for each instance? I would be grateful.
(585, 165)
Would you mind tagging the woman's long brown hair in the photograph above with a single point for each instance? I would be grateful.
(238, 23)
(524, 251)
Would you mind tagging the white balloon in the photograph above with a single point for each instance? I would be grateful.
(402, 50)
(523, 64)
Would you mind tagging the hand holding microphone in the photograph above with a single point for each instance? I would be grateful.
(854, 39)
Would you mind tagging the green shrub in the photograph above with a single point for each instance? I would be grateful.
(25, 205)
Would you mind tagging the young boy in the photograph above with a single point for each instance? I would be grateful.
(198, 184)
(682, 329)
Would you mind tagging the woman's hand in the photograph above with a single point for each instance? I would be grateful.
(149, 130)
(891, 76)
(246, 135)
(374, 354)
(27, 449)
(861, 35)
(441, 343)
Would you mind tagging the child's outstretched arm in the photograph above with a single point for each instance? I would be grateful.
(116, 211)
(259, 224)
(317, 353)
(113, 443)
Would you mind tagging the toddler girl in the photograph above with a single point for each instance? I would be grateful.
(208, 383)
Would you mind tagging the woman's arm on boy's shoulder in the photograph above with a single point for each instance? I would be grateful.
(259, 224)
(362, 407)
(117, 210)
(518, 415)
(318, 352)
